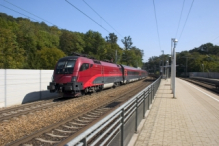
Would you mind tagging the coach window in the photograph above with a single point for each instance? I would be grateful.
(84, 66)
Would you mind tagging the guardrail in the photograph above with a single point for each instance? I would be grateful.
(118, 127)
(214, 75)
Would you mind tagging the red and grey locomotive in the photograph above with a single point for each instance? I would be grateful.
(74, 75)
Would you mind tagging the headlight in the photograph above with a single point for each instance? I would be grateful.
(74, 79)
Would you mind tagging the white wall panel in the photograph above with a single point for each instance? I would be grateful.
(2, 87)
(24, 86)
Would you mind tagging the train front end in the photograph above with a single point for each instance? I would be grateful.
(64, 79)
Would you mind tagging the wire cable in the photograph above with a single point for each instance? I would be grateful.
(157, 24)
(101, 17)
(28, 12)
(186, 19)
(19, 12)
(86, 15)
(215, 38)
(180, 19)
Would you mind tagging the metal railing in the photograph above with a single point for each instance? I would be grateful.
(118, 127)
(214, 75)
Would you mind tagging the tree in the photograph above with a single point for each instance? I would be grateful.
(11, 55)
(71, 42)
(94, 44)
(48, 57)
(127, 41)
(112, 38)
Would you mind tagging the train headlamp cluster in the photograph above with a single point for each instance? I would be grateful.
(74, 79)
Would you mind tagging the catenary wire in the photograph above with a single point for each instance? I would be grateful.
(19, 12)
(180, 18)
(186, 19)
(28, 12)
(214, 39)
(87, 15)
(157, 24)
(101, 17)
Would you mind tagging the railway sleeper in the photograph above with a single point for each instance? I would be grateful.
(70, 127)
(82, 121)
(88, 118)
(53, 135)
(27, 145)
(77, 124)
(62, 131)
(93, 116)
(46, 141)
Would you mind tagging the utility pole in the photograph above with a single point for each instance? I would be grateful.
(116, 57)
(162, 63)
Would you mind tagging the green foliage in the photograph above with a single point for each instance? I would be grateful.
(127, 41)
(132, 55)
(112, 38)
(71, 42)
(48, 57)
(11, 56)
(33, 45)
(94, 44)
(204, 58)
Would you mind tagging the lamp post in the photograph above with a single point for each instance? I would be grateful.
(174, 68)
(162, 63)
(171, 85)
(167, 70)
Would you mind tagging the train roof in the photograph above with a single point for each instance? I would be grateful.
(69, 58)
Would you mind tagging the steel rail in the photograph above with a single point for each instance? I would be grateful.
(53, 126)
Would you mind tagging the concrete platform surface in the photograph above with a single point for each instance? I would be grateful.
(192, 119)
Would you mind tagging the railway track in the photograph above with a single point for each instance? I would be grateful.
(59, 133)
(203, 84)
(8, 113)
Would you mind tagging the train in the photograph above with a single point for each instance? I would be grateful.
(78, 74)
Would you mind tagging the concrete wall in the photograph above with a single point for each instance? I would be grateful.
(214, 75)
(19, 86)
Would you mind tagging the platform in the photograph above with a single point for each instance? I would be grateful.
(192, 119)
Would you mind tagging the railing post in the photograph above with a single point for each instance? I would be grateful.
(136, 114)
(84, 141)
(148, 97)
(122, 128)
(153, 91)
(144, 104)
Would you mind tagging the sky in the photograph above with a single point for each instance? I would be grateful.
(134, 18)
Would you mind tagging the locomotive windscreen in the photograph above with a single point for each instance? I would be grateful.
(65, 67)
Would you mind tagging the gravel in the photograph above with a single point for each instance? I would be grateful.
(16, 128)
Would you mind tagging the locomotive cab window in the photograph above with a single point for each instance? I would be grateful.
(84, 66)
(65, 67)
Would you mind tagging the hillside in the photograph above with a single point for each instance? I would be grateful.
(31, 45)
